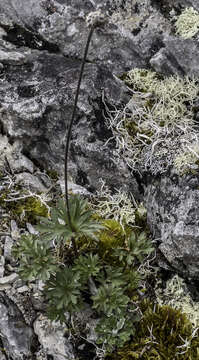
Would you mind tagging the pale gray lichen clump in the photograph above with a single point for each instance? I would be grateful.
(157, 125)
(118, 206)
(95, 18)
(188, 161)
(125, 16)
(187, 24)
(177, 295)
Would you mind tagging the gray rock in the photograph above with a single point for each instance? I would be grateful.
(113, 44)
(50, 97)
(8, 244)
(23, 289)
(31, 229)
(8, 279)
(172, 213)
(30, 181)
(20, 12)
(2, 356)
(15, 234)
(2, 264)
(74, 188)
(179, 56)
(51, 336)
(12, 57)
(37, 104)
(20, 163)
(17, 338)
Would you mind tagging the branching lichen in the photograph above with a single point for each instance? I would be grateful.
(117, 206)
(157, 122)
(123, 13)
(187, 24)
(188, 161)
(176, 295)
(163, 333)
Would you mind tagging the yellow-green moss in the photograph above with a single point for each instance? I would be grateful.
(176, 294)
(163, 333)
(23, 210)
(110, 237)
(53, 174)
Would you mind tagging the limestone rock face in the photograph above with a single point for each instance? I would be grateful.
(52, 337)
(17, 337)
(41, 48)
(173, 216)
(177, 57)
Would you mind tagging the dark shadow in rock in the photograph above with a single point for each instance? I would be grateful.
(22, 36)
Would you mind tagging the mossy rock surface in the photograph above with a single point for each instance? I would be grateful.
(163, 333)
(26, 209)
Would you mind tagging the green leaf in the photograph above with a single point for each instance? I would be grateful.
(87, 266)
(110, 299)
(36, 258)
(57, 228)
(63, 291)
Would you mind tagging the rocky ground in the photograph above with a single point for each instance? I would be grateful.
(41, 47)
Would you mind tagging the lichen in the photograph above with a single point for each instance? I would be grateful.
(126, 17)
(177, 295)
(187, 24)
(26, 209)
(163, 333)
(117, 206)
(188, 161)
(157, 122)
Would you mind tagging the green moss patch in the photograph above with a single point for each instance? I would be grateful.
(23, 210)
(163, 333)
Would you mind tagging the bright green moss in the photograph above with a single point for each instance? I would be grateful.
(163, 333)
(30, 208)
(110, 237)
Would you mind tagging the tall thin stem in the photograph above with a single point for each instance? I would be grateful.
(70, 131)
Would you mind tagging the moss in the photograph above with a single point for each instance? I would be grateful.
(53, 174)
(187, 24)
(163, 333)
(23, 210)
(111, 237)
(177, 295)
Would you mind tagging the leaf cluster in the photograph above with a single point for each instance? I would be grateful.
(58, 227)
(88, 278)
(36, 258)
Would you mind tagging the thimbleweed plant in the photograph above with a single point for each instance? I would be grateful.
(57, 228)
(87, 277)
(108, 288)
(36, 258)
